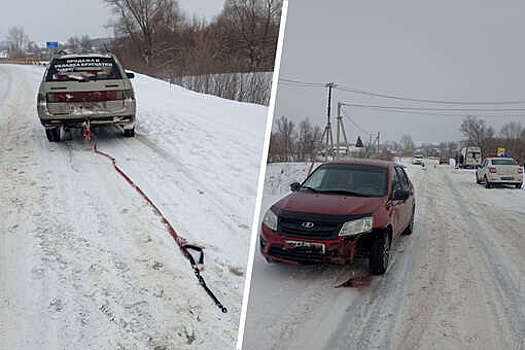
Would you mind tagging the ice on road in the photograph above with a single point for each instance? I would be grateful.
(456, 283)
(84, 261)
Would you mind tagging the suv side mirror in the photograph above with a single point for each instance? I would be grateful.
(295, 187)
(400, 195)
(130, 75)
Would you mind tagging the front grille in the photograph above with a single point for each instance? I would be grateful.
(298, 254)
(326, 226)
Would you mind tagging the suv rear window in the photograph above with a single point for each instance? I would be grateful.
(83, 69)
(504, 162)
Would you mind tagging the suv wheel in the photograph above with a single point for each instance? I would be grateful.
(487, 183)
(519, 185)
(478, 181)
(53, 134)
(379, 254)
(129, 132)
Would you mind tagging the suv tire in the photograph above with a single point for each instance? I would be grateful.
(379, 254)
(518, 186)
(53, 134)
(129, 132)
(478, 181)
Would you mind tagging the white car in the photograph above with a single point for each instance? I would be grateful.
(85, 88)
(418, 159)
(504, 171)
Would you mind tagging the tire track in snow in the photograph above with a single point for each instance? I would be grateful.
(511, 295)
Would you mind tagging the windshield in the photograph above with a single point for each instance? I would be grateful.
(504, 162)
(83, 69)
(357, 180)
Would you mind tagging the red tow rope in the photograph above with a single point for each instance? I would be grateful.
(181, 242)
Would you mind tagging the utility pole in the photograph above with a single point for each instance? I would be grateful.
(340, 129)
(378, 137)
(328, 128)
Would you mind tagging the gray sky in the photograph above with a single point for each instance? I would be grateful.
(52, 20)
(468, 50)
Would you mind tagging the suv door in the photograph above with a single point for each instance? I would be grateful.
(396, 204)
(405, 207)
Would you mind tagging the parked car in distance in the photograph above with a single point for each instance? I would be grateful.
(500, 171)
(418, 159)
(444, 160)
(342, 210)
(85, 88)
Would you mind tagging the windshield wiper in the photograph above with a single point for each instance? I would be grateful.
(350, 193)
(309, 188)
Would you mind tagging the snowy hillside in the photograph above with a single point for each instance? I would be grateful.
(84, 262)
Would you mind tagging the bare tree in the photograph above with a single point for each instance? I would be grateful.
(477, 133)
(141, 19)
(17, 42)
(407, 144)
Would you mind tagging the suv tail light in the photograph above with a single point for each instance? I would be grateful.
(520, 170)
(492, 170)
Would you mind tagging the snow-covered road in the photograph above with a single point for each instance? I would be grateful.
(84, 262)
(458, 282)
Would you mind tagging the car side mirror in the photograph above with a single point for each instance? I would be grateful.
(401, 195)
(295, 187)
(130, 75)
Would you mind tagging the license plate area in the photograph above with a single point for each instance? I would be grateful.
(507, 178)
(302, 245)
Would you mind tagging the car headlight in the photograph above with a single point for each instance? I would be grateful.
(354, 227)
(270, 220)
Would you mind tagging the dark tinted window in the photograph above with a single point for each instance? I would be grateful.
(504, 162)
(349, 179)
(83, 69)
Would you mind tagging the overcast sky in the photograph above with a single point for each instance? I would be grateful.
(52, 20)
(468, 50)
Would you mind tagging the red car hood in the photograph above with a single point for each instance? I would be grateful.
(336, 204)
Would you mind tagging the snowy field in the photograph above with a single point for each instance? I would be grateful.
(456, 283)
(84, 262)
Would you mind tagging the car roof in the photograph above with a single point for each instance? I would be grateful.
(358, 161)
(492, 158)
(93, 55)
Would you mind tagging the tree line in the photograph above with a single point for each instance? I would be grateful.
(155, 37)
(301, 142)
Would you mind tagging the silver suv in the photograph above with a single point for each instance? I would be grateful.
(85, 88)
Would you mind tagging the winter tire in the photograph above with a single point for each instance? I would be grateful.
(129, 132)
(379, 254)
(487, 183)
(478, 181)
(53, 134)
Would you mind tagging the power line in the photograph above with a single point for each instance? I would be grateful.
(452, 115)
(408, 108)
(396, 97)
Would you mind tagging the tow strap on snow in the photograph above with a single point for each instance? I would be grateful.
(184, 246)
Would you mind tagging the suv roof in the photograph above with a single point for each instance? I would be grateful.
(369, 162)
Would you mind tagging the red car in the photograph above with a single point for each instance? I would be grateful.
(342, 210)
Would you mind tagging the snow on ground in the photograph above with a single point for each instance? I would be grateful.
(455, 283)
(84, 262)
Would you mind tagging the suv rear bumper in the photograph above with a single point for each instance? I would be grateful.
(341, 250)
